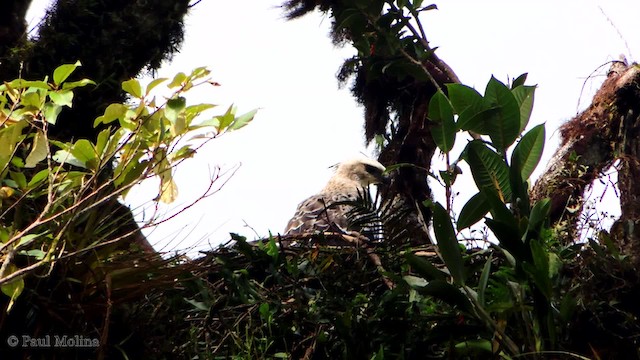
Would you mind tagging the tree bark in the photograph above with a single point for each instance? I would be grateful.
(606, 131)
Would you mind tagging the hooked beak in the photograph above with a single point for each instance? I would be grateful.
(384, 179)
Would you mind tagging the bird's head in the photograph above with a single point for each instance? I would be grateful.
(364, 171)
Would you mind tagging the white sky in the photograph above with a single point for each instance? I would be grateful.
(305, 123)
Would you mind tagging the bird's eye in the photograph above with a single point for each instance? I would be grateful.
(372, 169)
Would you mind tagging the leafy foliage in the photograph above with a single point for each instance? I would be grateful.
(60, 199)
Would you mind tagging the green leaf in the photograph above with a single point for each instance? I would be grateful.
(102, 140)
(528, 152)
(448, 293)
(31, 99)
(39, 150)
(174, 107)
(539, 270)
(444, 132)
(155, 83)
(84, 151)
(14, 288)
(448, 243)
(414, 281)
(19, 178)
(473, 211)
(539, 216)
(510, 239)
(61, 97)
(480, 348)
(504, 128)
(133, 88)
(35, 253)
(424, 268)
(484, 280)
(178, 80)
(242, 120)
(111, 113)
(10, 136)
(463, 97)
(38, 178)
(62, 72)
(488, 169)
(477, 120)
(23, 84)
(524, 96)
(65, 157)
(226, 119)
(519, 81)
(51, 111)
(76, 84)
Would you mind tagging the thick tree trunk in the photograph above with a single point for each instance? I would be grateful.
(591, 142)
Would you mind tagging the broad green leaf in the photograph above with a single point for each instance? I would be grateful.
(444, 131)
(448, 243)
(477, 120)
(111, 113)
(504, 127)
(488, 169)
(539, 270)
(38, 178)
(448, 293)
(155, 83)
(31, 99)
(424, 268)
(242, 120)
(84, 151)
(519, 81)
(528, 152)
(102, 140)
(498, 208)
(484, 280)
(50, 111)
(473, 211)
(509, 239)
(133, 88)
(77, 84)
(65, 157)
(473, 349)
(10, 136)
(539, 216)
(61, 97)
(414, 281)
(226, 119)
(28, 239)
(568, 305)
(19, 178)
(174, 111)
(178, 80)
(463, 97)
(168, 188)
(23, 84)
(174, 107)
(14, 288)
(192, 111)
(62, 72)
(524, 96)
(39, 150)
(37, 254)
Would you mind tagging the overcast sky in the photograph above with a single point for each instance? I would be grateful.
(306, 123)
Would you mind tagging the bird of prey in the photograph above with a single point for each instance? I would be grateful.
(317, 214)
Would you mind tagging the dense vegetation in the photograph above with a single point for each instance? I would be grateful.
(74, 263)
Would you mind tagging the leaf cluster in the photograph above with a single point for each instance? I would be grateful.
(59, 199)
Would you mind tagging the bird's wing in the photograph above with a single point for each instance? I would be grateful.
(316, 214)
